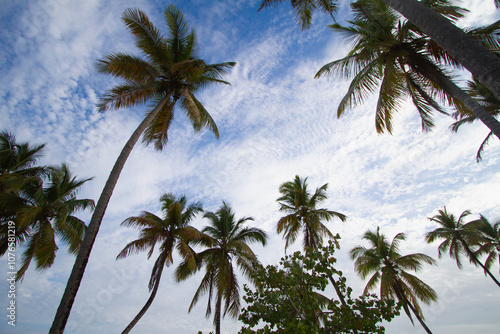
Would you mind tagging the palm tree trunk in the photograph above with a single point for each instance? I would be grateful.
(429, 71)
(148, 302)
(400, 293)
(483, 64)
(417, 315)
(340, 295)
(82, 258)
(477, 262)
(217, 316)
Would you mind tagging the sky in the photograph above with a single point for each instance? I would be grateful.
(275, 121)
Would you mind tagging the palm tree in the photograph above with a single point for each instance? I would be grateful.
(17, 168)
(463, 48)
(490, 239)
(303, 214)
(170, 232)
(226, 242)
(168, 72)
(47, 213)
(17, 162)
(390, 269)
(392, 55)
(458, 238)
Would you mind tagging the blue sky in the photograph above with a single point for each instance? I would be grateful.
(275, 120)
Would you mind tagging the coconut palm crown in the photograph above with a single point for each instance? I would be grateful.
(48, 213)
(391, 269)
(490, 240)
(303, 213)
(459, 238)
(304, 9)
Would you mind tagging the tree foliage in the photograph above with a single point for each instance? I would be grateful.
(290, 299)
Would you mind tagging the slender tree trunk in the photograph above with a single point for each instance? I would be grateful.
(477, 262)
(82, 258)
(217, 316)
(483, 64)
(428, 69)
(418, 316)
(148, 302)
(339, 293)
(400, 293)
(341, 296)
(482, 114)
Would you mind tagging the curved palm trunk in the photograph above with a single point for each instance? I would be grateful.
(402, 296)
(82, 258)
(417, 315)
(483, 64)
(148, 302)
(340, 295)
(217, 316)
(429, 71)
(481, 113)
(476, 261)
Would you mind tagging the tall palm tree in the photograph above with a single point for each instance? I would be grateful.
(459, 238)
(303, 214)
(490, 240)
(172, 231)
(47, 213)
(167, 72)
(226, 243)
(390, 269)
(461, 47)
(392, 55)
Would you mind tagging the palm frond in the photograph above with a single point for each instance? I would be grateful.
(126, 95)
(147, 37)
(128, 67)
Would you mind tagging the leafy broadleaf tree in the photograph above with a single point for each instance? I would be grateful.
(303, 213)
(290, 299)
(167, 74)
(225, 244)
(459, 238)
(170, 232)
(390, 270)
